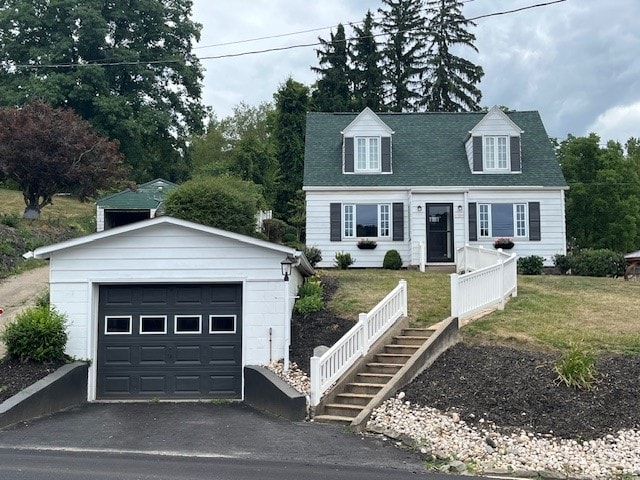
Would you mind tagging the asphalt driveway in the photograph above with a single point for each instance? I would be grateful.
(233, 431)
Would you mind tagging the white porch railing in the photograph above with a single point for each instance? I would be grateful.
(488, 278)
(328, 368)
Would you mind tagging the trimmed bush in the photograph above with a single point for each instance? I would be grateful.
(274, 229)
(392, 260)
(597, 263)
(314, 255)
(343, 260)
(38, 334)
(224, 202)
(531, 265)
(562, 263)
(309, 304)
(289, 238)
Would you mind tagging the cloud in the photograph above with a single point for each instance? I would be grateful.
(618, 123)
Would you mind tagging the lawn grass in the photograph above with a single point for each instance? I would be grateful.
(550, 312)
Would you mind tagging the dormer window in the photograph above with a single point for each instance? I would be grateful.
(367, 154)
(496, 153)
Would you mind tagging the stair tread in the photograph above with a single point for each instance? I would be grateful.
(408, 355)
(348, 406)
(413, 337)
(355, 395)
(402, 345)
(365, 384)
(382, 364)
(334, 418)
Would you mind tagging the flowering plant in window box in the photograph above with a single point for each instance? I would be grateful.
(366, 244)
(504, 242)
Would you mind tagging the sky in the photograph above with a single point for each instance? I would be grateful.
(577, 62)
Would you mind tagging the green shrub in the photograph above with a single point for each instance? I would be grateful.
(38, 334)
(314, 255)
(597, 263)
(224, 202)
(309, 304)
(392, 260)
(43, 300)
(343, 260)
(531, 265)
(289, 238)
(309, 289)
(576, 368)
(562, 263)
(274, 229)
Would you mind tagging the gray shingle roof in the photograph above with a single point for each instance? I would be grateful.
(428, 150)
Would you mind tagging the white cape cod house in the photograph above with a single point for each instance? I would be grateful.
(425, 184)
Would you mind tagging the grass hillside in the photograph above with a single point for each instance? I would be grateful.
(549, 312)
(66, 218)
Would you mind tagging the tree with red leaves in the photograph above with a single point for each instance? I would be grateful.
(49, 150)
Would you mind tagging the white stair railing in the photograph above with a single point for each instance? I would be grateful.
(327, 369)
(489, 278)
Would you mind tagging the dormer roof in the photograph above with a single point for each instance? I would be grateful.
(367, 118)
(496, 122)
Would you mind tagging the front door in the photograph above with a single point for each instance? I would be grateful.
(440, 233)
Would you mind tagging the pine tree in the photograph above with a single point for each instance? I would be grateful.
(450, 82)
(332, 93)
(366, 71)
(403, 63)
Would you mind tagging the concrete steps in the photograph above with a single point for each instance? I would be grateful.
(373, 377)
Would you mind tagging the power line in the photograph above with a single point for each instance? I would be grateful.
(251, 52)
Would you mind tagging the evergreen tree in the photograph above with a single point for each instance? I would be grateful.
(450, 82)
(125, 66)
(366, 71)
(292, 102)
(402, 65)
(332, 92)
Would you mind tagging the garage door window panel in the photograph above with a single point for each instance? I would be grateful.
(117, 325)
(220, 324)
(153, 324)
(187, 324)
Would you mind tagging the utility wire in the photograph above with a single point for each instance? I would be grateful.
(251, 52)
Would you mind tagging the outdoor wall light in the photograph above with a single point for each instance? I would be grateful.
(459, 208)
(286, 265)
(419, 208)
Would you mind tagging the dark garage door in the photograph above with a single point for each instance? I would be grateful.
(169, 341)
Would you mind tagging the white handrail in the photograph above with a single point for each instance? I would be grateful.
(490, 278)
(328, 368)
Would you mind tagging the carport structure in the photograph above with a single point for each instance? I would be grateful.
(170, 309)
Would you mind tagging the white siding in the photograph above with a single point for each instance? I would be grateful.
(318, 228)
(99, 219)
(552, 221)
(367, 124)
(169, 253)
(495, 123)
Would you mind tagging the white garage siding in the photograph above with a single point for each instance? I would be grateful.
(168, 251)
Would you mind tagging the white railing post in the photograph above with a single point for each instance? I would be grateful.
(405, 300)
(454, 294)
(363, 319)
(514, 273)
(423, 258)
(316, 381)
(501, 281)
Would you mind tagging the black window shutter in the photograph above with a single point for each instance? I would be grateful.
(398, 222)
(348, 154)
(534, 221)
(516, 165)
(386, 154)
(473, 223)
(335, 227)
(477, 154)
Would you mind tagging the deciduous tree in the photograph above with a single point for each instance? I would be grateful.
(125, 66)
(46, 151)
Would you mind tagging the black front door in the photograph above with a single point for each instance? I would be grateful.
(440, 233)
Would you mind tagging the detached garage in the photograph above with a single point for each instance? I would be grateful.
(170, 309)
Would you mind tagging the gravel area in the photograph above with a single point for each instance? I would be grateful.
(294, 376)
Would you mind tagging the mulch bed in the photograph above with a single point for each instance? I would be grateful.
(519, 389)
(16, 376)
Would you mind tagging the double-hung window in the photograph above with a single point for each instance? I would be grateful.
(367, 154)
(367, 220)
(502, 220)
(496, 153)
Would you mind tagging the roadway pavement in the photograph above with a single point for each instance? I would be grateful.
(207, 432)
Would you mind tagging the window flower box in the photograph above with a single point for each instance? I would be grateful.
(504, 243)
(366, 244)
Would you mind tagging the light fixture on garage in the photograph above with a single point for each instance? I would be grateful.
(419, 208)
(459, 208)
(286, 266)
